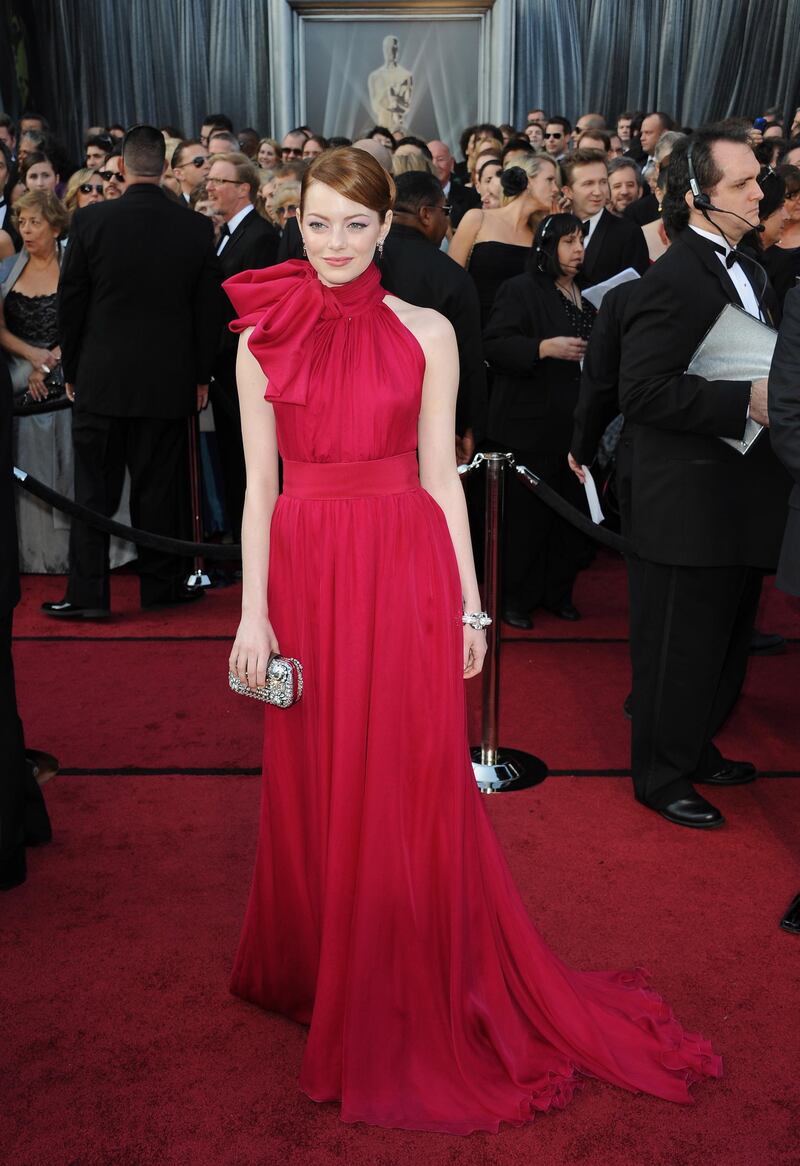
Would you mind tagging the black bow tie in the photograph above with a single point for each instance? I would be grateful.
(224, 231)
(731, 256)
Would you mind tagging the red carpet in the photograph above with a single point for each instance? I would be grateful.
(120, 1044)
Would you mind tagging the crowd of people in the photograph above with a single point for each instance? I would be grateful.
(505, 241)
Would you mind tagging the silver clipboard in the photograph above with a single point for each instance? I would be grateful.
(737, 347)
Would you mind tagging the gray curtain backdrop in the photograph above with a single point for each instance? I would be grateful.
(697, 59)
(158, 61)
(171, 61)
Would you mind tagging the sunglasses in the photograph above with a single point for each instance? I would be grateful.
(283, 210)
(290, 152)
(90, 188)
(199, 161)
(111, 176)
(554, 135)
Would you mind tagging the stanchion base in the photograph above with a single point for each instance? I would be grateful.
(197, 581)
(512, 770)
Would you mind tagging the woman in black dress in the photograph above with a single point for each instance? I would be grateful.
(534, 343)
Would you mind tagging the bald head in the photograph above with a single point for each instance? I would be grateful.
(378, 151)
(443, 160)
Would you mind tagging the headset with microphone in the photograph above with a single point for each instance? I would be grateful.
(539, 251)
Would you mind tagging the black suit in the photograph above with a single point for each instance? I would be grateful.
(705, 521)
(642, 211)
(784, 432)
(615, 244)
(139, 311)
(253, 244)
(530, 414)
(598, 400)
(413, 269)
(462, 199)
(23, 817)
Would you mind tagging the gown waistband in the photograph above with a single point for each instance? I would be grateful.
(327, 480)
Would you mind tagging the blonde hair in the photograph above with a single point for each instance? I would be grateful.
(77, 180)
(48, 206)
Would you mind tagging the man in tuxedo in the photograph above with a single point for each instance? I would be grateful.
(246, 241)
(139, 310)
(624, 184)
(610, 243)
(458, 197)
(706, 521)
(190, 165)
(414, 269)
(23, 815)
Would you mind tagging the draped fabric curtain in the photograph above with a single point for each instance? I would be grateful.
(102, 61)
(171, 61)
(699, 60)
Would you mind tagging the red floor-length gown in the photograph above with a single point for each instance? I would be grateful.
(382, 913)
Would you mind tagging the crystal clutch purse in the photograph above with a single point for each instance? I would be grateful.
(284, 685)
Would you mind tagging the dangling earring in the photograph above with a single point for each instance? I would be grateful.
(305, 254)
(380, 248)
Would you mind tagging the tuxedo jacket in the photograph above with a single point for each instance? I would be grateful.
(462, 199)
(695, 501)
(615, 244)
(533, 399)
(784, 431)
(253, 244)
(138, 305)
(413, 269)
(598, 400)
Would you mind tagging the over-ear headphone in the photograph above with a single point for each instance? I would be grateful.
(539, 251)
(701, 201)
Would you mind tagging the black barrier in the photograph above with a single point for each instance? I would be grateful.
(142, 538)
(36, 407)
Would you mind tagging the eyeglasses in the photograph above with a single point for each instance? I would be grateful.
(284, 210)
(89, 188)
(217, 181)
(199, 161)
(549, 135)
(111, 176)
(446, 210)
(291, 152)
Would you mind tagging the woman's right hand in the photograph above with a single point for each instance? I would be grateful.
(255, 643)
(563, 348)
(40, 356)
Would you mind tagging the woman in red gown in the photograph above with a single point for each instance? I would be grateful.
(382, 913)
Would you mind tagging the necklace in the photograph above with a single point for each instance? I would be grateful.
(571, 293)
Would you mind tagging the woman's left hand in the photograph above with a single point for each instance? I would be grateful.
(474, 651)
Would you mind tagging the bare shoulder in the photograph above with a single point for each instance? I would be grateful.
(472, 219)
(430, 328)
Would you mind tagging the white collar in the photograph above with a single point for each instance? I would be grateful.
(718, 240)
(239, 217)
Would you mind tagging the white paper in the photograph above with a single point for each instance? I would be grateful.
(595, 294)
(595, 509)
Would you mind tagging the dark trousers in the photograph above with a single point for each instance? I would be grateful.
(690, 630)
(155, 451)
(23, 817)
(542, 552)
(228, 426)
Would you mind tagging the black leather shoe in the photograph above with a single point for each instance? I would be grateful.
(766, 644)
(693, 811)
(566, 611)
(791, 920)
(517, 619)
(66, 610)
(731, 773)
(187, 595)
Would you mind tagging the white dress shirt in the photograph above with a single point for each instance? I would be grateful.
(744, 288)
(593, 221)
(232, 224)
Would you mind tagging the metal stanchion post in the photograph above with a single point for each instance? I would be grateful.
(198, 577)
(497, 770)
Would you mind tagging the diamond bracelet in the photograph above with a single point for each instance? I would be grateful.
(479, 620)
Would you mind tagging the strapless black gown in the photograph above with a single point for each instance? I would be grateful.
(491, 264)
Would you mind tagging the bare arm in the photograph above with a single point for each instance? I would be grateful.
(464, 239)
(255, 639)
(437, 464)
